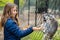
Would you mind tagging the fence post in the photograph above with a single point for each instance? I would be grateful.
(17, 3)
(28, 11)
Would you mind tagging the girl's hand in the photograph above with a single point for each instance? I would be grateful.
(37, 28)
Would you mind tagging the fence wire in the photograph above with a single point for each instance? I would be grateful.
(29, 16)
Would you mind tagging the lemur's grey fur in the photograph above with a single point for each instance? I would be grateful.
(50, 26)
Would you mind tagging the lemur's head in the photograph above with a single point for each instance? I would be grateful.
(48, 18)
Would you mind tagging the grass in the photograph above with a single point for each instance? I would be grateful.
(58, 22)
(34, 36)
(37, 35)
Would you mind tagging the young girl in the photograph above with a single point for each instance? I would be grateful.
(10, 23)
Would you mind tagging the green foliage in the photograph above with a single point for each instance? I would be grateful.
(54, 4)
(3, 2)
(21, 3)
(41, 3)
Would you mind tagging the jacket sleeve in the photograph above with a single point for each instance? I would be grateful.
(13, 28)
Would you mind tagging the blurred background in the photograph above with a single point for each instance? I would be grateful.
(31, 11)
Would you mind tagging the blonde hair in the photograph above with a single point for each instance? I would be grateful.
(7, 14)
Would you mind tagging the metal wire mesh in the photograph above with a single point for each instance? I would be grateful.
(30, 17)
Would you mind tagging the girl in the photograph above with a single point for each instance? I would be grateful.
(10, 23)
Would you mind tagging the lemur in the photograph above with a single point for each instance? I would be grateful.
(50, 26)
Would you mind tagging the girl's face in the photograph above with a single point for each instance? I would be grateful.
(14, 11)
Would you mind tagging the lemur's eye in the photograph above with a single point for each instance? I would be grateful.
(50, 19)
(44, 19)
